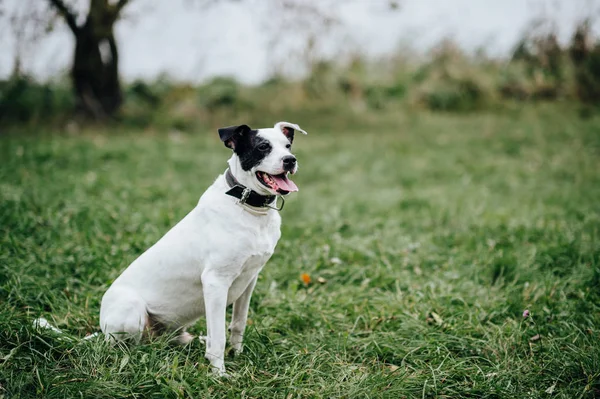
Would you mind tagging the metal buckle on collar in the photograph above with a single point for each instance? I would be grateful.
(245, 195)
(275, 207)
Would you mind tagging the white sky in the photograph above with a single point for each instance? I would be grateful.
(249, 39)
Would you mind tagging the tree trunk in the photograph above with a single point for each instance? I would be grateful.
(95, 72)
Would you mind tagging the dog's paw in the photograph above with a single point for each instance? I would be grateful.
(218, 370)
(217, 365)
(220, 373)
(185, 338)
(237, 349)
(236, 344)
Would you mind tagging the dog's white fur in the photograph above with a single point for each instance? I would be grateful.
(209, 260)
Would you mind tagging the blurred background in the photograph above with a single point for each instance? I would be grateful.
(187, 64)
(449, 182)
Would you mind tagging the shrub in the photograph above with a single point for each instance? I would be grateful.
(451, 81)
(24, 100)
(220, 92)
(455, 95)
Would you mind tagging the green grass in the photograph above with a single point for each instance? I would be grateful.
(433, 233)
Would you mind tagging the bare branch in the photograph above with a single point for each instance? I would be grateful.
(119, 6)
(115, 10)
(66, 13)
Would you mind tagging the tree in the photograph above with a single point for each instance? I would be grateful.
(95, 72)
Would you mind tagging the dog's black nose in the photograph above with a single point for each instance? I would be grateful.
(289, 162)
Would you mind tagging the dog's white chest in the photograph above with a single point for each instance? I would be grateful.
(260, 247)
(249, 271)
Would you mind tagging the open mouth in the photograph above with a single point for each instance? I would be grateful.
(278, 183)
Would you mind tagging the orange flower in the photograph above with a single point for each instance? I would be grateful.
(305, 278)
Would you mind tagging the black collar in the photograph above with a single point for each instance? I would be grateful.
(246, 195)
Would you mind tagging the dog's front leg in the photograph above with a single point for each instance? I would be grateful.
(240, 317)
(215, 301)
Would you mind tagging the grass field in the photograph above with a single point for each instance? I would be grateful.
(430, 235)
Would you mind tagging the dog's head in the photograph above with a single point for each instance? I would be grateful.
(262, 158)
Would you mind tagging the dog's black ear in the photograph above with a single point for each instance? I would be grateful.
(231, 134)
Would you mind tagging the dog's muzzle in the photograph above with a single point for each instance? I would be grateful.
(289, 163)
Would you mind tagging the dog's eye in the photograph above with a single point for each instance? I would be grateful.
(264, 147)
(288, 146)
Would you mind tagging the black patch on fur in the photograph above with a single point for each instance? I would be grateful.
(230, 135)
(252, 149)
(245, 142)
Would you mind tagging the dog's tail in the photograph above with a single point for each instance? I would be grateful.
(42, 323)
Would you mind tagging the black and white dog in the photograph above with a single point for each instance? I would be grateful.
(212, 257)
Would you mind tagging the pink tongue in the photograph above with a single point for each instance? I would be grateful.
(284, 183)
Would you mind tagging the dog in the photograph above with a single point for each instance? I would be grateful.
(212, 257)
